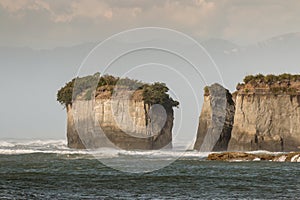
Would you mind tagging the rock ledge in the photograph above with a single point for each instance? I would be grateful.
(244, 156)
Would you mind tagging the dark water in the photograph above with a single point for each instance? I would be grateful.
(74, 176)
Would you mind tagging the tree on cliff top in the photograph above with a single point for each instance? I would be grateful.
(276, 84)
(271, 78)
(157, 94)
(66, 93)
(152, 93)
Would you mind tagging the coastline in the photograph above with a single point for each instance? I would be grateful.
(59, 147)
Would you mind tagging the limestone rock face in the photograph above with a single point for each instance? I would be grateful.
(72, 134)
(118, 123)
(266, 121)
(216, 120)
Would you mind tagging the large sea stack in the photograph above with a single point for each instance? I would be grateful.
(125, 114)
(267, 115)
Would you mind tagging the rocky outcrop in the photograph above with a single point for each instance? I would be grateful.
(266, 120)
(243, 156)
(216, 120)
(266, 116)
(119, 122)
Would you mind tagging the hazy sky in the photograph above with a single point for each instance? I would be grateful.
(48, 24)
(40, 51)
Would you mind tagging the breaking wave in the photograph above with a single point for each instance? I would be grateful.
(19, 147)
(16, 147)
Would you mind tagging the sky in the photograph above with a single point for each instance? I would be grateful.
(48, 24)
(42, 44)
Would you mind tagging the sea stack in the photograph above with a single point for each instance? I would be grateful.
(267, 115)
(216, 120)
(263, 114)
(135, 116)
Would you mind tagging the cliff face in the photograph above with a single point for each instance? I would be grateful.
(216, 120)
(72, 134)
(263, 114)
(119, 122)
(266, 121)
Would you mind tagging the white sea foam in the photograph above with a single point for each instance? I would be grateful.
(166, 153)
(295, 158)
(30, 151)
(10, 147)
(281, 158)
(13, 147)
(6, 144)
(266, 152)
(31, 143)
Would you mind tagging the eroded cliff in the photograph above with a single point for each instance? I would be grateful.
(267, 116)
(139, 118)
(216, 120)
(107, 127)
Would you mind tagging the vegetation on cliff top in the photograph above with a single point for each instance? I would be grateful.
(155, 93)
(271, 78)
(206, 91)
(276, 84)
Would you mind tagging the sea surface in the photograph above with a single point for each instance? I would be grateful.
(42, 169)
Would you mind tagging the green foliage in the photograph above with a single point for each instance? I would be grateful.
(130, 83)
(270, 78)
(157, 94)
(248, 78)
(88, 94)
(152, 93)
(64, 95)
(276, 83)
(107, 80)
(239, 86)
(84, 83)
(206, 90)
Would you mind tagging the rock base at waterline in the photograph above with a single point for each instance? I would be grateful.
(244, 156)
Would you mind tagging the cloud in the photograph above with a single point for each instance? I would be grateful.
(79, 8)
(94, 9)
(69, 22)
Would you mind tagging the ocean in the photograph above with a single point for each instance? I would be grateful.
(41, 169)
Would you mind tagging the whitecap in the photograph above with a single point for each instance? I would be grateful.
(295, 158)
(281, 158)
